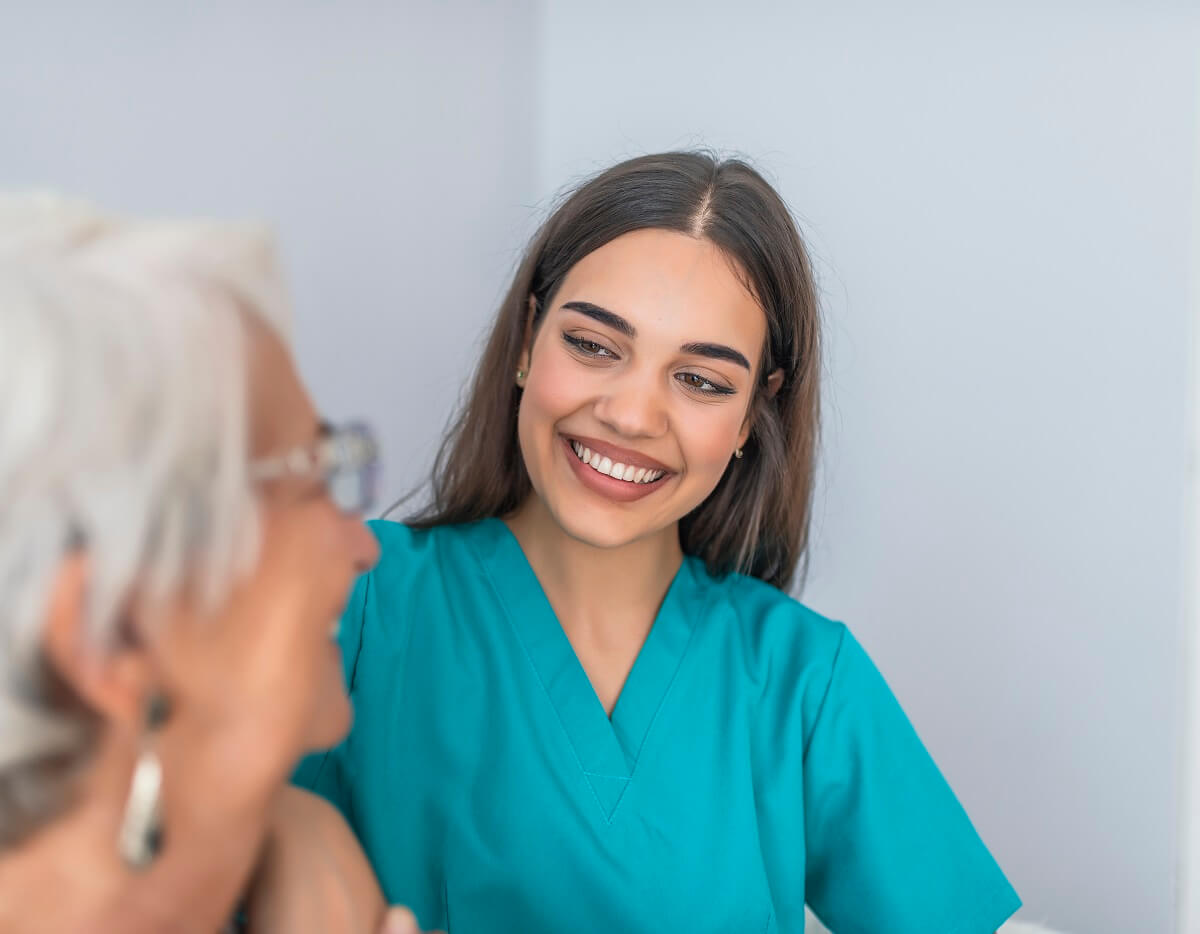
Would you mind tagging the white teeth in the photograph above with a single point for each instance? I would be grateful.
(629, 473)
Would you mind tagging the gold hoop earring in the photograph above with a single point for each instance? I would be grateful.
(738, 453)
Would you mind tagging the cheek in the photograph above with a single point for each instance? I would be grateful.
(706, 439)
(331, 719)
(282, 668)
(557, 385)
(556, 388)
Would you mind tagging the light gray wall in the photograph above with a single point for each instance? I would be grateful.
(1000, 207)
(390, 145)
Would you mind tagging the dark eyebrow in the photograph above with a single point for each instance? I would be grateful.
(717, 352)
(617, 323)
(604, 316)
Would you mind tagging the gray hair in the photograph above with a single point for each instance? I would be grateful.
(123, 430)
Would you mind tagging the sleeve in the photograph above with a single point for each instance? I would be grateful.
(328, 773)
(889, 847)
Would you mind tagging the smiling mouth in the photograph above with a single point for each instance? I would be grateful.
(617, 471)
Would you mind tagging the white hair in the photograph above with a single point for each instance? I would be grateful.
(124, 418)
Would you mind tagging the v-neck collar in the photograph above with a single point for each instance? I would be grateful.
(607, 749)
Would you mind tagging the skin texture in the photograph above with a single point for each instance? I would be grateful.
(251, 687)
(606, 564)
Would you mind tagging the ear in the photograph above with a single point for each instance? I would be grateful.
(774, 382)
(111, 680)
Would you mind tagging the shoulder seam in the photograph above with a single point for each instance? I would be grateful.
(837, 654)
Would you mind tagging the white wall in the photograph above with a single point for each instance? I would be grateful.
(1000, 203)
(1189, 870)
(388, 144)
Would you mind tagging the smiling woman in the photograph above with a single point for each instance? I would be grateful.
(752, 341)
(668, 373)
(584, 700)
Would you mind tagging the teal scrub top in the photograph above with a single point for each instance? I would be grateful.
(755, 760)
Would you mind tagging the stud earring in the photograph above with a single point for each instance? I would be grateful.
(738, 453)
(141, 835)
(520, 375)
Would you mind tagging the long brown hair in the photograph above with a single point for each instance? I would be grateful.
(756, 520)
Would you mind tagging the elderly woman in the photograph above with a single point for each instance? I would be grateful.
(178, 533)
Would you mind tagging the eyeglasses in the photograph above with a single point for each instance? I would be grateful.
(346, 458)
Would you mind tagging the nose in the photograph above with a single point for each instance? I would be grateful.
(364, 549)
(634, 406)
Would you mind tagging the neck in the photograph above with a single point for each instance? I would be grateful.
(68, 876)
(597, 588)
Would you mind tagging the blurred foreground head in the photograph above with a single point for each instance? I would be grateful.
(171, 554)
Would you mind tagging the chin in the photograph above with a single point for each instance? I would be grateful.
(331, 723)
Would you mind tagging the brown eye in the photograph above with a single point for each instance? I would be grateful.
(698, 383)
(588, 348)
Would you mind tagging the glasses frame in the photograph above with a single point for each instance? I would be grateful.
(349, 451)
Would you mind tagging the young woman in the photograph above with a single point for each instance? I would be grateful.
(585, 701)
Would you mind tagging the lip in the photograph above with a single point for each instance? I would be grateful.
(619, 455)
(619, 491)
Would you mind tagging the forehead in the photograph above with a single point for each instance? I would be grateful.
(661, 280)
(281, 412)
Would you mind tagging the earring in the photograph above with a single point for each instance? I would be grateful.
(520, 375)
(738, 453)
(141, 836)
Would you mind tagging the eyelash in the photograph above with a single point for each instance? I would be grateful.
(596, 350)
(582, 344)
(712, 388)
